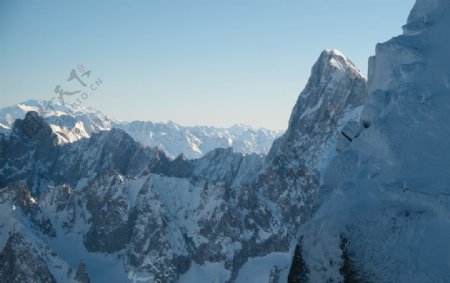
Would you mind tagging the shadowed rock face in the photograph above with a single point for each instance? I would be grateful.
(109, 230)
(82, 275)
(37, 159)
(335, 89)
(333, 96)
(298, 273)
(19, 263)
(35, 129)
(115, 224)
(33, 156)
(27, 150)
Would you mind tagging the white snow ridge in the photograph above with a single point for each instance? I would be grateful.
(385, 203)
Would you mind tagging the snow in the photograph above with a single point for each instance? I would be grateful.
(133, 186)
(68, 123)
(258, 269)
(255, 270)
(83, 182)
(208, 272)
(313, 109)
(71, 125)
(197, 141)
(100, 267)
(387, 193)
(5, 126)
(340, 61)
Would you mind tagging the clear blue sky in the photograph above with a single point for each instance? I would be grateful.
(194, 62)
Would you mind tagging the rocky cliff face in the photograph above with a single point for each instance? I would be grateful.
(387, 193)
(333, 96)
(130, 212)
(20, 265)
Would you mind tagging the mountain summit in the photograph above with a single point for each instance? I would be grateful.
(334, 94)
(384, 205)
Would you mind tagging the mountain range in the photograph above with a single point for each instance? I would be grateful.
(74, 122)
(136, 206)
(355, 190)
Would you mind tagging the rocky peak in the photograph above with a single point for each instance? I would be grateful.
(33, 128)
(335, 83)
(393, 179)
(331, 97)
(82, 275)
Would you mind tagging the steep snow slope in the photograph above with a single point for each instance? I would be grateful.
(25, 256)
(384, 210)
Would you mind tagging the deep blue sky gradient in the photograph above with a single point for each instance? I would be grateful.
(194, 62)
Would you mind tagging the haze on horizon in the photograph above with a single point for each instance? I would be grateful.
(195, 63)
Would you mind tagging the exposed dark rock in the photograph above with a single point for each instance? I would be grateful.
(18, 263)
(298, 273)
(82, 275)
(348, 272)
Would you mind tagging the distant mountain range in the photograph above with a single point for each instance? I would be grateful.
(71, 124)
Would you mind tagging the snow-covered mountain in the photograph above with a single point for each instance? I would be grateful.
(73, 123)
(114, 210)
(356, 190)
(332, 97)
(196, 141)
(69, 123)
(383, 212)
